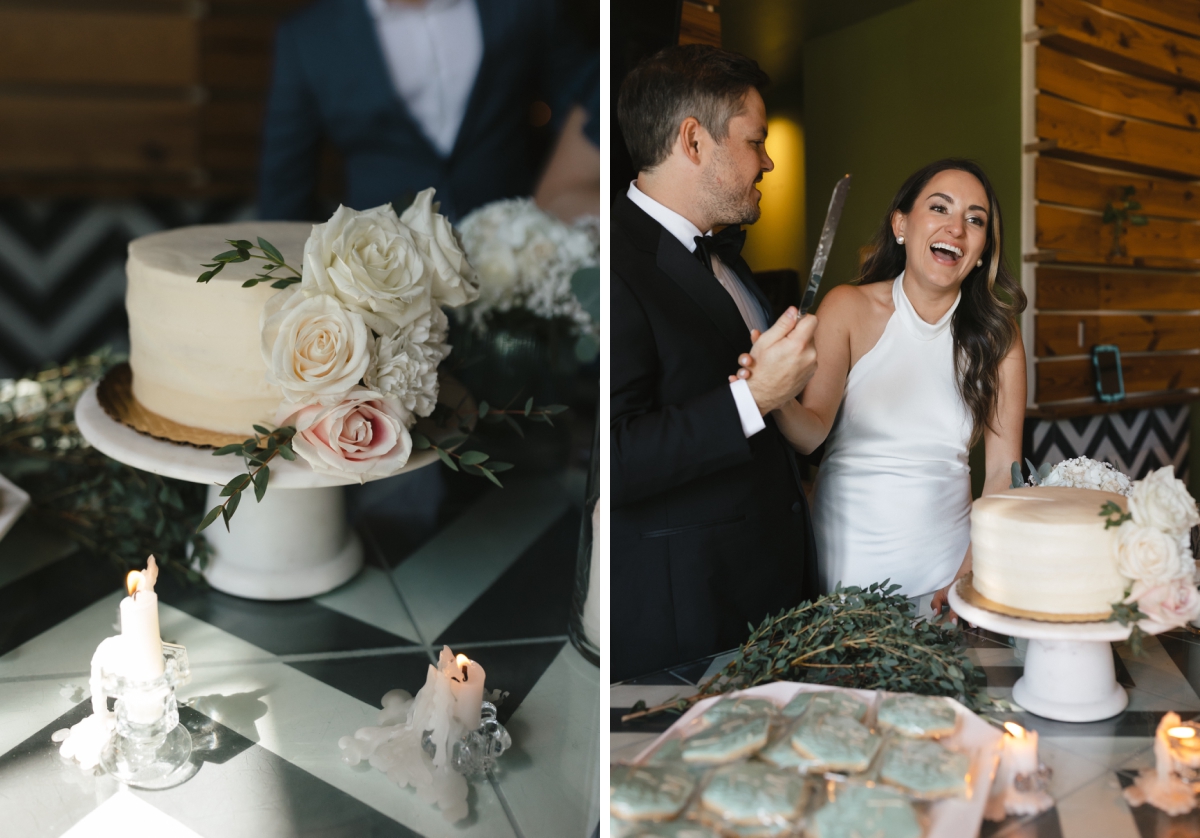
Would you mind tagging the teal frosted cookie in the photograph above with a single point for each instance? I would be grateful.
(858, 811)
(732, 739)
(667, 753)
(922, 716)
(781, 754)
(826, 701)
(736, 707)
(671, 829)
(925, 769)
(754, 794)
(836, 743)
(649, 792)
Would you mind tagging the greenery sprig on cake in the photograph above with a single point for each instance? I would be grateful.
(865, 638)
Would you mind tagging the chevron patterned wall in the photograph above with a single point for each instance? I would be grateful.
(62, 270)
(1136, 442)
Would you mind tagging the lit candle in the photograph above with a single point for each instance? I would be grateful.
(467, 687)
(143, 655)
(1184, 744)
(1021, 749)
(1161, 786)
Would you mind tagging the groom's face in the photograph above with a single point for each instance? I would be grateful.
(737, 165)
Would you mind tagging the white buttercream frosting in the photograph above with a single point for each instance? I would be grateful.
(1046, 549)
(194, 347)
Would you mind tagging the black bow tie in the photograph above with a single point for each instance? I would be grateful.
(727, 244)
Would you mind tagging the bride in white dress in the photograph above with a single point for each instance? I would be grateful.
(917, 361)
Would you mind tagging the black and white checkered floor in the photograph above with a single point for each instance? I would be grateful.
(275, 685)
(1091, 762)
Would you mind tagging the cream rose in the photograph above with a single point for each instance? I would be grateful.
(1150, 556)
(314, 349)
(404, 367)
(1161, 500)
(1173, 603)
(453, 280)
(372, 263)
(362, 435)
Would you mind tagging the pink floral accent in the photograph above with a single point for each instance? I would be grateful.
(362, 435)
(1173, 603)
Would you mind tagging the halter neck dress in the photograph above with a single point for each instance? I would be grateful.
(893, 494)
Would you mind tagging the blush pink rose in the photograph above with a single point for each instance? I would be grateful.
(363, 435)
(1173, 603)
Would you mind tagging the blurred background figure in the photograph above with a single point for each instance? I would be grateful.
(412, 94)
(570, 186)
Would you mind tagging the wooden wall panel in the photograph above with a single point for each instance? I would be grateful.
(1183, 15)
(97, 48)
(1061, 182)
(1076, 334)
(1083, 131)
(1061, 289)
(1110, 90)
(130, 137)
(699, 24)
(1074, 379)
(1076, 235)
(1125, 44)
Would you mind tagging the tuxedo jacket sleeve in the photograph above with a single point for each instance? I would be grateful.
(656, 447)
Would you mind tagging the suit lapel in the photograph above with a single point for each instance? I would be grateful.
(491, 26)
(685, 269)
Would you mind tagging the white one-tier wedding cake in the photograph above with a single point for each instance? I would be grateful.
(194, 347)
(1047, 549)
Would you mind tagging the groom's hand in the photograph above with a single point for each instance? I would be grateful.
(784, 361)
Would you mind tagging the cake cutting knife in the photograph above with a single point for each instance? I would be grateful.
(825, 244)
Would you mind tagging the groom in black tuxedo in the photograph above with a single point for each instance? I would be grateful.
(710, 528)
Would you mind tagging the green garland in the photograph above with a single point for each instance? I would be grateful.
(109, 508)
(867, 639)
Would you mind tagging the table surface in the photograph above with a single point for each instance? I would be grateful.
(1092, 762)
(450, 560)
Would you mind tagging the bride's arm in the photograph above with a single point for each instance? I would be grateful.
(806, 422)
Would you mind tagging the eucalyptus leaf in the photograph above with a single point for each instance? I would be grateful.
(1018, 480)
(270, 250)
(447, 459)
(260, 482)
(472, 458)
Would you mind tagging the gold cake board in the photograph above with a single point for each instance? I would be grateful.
(966, 590)
(115, 394)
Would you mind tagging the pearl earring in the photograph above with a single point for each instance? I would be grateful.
(899, 239)
(979, 264)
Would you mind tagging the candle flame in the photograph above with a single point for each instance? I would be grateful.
(1015, 729)
(133, 582)
(461, 660)
(1182, 732)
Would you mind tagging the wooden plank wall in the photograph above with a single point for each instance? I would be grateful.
(115, 97)
(700, 22)
(1117, 106)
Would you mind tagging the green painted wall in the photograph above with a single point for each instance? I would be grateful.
(931, 79)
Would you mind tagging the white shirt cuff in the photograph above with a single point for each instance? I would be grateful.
(752, 421)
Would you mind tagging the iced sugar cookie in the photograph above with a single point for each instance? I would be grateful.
(754, 794)
(859, 811)
(653, 792)
(737, 707)
(837, 743)
(732, 739)
(826, 701)
(671, 829)
(925, 769)
(921, 716)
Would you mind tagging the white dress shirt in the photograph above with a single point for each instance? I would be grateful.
(752, 314)
(433, 51)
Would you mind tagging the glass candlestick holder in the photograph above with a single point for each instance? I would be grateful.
(477, 751)
(150, 749)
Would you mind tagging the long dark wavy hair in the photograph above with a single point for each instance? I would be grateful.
(985, 323)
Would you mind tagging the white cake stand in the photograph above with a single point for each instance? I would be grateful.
(293, 544)
(1069, 673)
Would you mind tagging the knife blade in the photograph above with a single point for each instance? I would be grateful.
(836, 202)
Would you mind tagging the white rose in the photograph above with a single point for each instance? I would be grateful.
(372, 263)
(1149, 556)
(314, 349)
(404, 367)
(452, 276)
(1161, 500)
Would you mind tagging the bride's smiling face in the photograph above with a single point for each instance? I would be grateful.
(945, 233)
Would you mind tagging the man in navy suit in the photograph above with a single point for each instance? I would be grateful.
(413, 94)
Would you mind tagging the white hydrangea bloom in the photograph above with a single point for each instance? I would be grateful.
(1085, 473)
(404, 366)
(525, 258)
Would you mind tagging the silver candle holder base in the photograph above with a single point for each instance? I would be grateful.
(150, 749)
